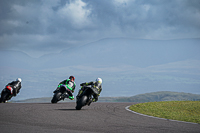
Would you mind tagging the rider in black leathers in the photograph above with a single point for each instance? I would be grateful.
(96, 84)
(16, 86)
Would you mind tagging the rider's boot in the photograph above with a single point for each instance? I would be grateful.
(71, 97)
(94, 99)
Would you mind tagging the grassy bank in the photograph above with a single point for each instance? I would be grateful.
(188, 111)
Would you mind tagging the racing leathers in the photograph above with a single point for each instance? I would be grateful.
(16, 86)
(69, 86)
(96, 85)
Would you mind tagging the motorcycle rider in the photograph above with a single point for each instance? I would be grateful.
(69, 85)
(96, 84)
(16, 86)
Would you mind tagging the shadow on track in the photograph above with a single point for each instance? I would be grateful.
(66, 109)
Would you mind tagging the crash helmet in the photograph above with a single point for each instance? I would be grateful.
(72, 78)
(19, 79)
(99, 80)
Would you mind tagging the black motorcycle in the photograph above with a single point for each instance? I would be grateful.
(6, 94)
(60, 94)
(86, 97)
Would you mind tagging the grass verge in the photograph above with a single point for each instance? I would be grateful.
(188, 111)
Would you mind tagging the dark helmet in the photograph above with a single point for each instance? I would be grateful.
(72, 78)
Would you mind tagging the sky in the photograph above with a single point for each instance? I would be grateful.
(39, 27)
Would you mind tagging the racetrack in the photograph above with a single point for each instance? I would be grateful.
(98, 117)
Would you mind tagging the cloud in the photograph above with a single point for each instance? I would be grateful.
(54, 24)
(77, 13)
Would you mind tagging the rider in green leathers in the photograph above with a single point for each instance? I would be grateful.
(69, 84)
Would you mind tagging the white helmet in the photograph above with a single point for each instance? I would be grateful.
(19, 79)
(99, 80)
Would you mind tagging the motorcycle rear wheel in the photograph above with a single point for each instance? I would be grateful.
(3, 97)
(81, 102)
(56, 97)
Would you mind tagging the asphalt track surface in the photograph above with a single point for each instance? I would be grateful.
(96, 118)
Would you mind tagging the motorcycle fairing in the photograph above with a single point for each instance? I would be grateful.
(10, 88)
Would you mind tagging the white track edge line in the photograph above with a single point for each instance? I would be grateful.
(127, 108)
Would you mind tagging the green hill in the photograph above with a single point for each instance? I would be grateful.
(161, 96)
(147, 97)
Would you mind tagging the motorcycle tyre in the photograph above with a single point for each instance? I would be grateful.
(81, 102)
(3, 98)
(56, 97)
